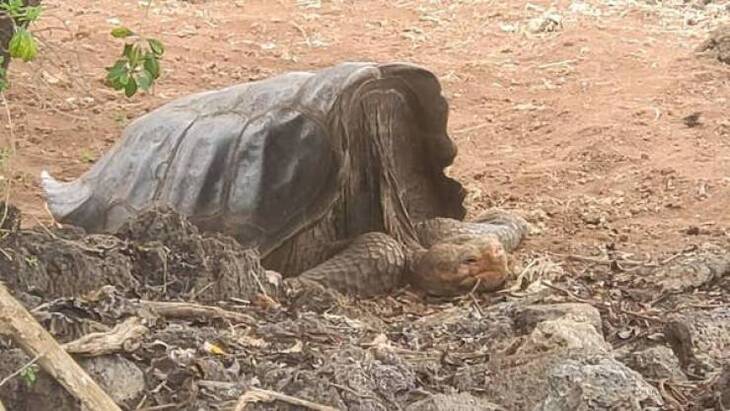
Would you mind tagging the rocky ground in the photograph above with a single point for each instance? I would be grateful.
(614, 333)
(603, 122)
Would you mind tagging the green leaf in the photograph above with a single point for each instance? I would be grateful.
(12, 7)
(125, 78)
(121, 32)
(137, 56)
(29, 375)
(131, 87)
(22, 45)
(145, 80)
(32, 14)
(117, 69)
(127, 51)
(118, 74)
(152, 65)
(3, 78)
(116, 83)
(119, 80)
(156, 46)
(134, 54)
(17, 11)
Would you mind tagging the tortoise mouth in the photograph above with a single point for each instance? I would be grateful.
(490, 280)
(462, 279)
(481, 276)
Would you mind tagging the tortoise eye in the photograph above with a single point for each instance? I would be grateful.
(470, 260)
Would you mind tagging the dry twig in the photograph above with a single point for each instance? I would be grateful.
(126, 336)
(258, 394)
(604, 261)
(190, 310)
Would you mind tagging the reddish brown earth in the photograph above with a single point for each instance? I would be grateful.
(581, 128)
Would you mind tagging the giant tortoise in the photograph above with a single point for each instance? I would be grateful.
(336, 177)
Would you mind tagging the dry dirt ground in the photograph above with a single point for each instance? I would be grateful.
(595, 119)
(581, 125)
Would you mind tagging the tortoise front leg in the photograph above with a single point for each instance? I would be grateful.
(373, 264)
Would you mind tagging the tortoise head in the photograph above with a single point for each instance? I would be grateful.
(457, 265)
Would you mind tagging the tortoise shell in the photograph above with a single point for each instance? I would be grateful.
(315, 156)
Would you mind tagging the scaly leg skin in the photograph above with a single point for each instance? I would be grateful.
(373, 264)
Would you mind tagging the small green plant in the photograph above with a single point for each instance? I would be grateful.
(120, 118)
(30, 375)
(4, 156)
(3, 75)
(32, 261)
(22, 44)
(139, 65)
(137, 68)
(20, 13)
(87, 156)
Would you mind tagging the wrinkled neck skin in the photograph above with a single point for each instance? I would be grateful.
(413, 257)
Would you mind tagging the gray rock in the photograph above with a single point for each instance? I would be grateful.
(710, 334)
(718, 43)
(655, 362)
(598, 383)
(527, 317)
(563, 364)
(692, 272)
(118, 376)
(453, 402)
(564, 333)
(488, 329)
